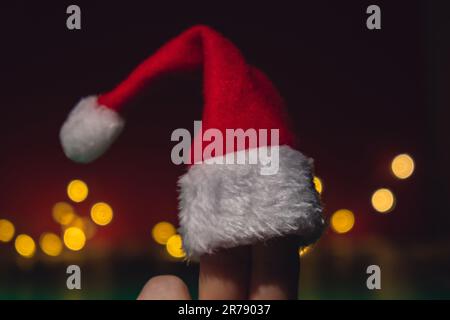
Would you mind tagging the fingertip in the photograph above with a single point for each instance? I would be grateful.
(275, 270)
(225, 275)
(165, 287)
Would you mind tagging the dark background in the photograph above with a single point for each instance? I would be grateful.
(356, 97)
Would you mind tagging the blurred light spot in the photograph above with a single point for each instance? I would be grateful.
(303, 250)
(383, 200)
(78, 222)
(162, 231)
(77, 190)
(89, 228)
(63, 213)
(342, 221)
(7, 230)
(25, 245)
(51, 244)
(402, 166)
(318, 184)
(74, 238)
(174, 246)
(85, 224)
(101, 213)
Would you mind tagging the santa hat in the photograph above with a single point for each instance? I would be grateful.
(222, 205)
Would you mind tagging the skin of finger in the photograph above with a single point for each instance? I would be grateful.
(225, 275)
(165, 287)
(275, 270)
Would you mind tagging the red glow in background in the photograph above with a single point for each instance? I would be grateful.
(356, 98)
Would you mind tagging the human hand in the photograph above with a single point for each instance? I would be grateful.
(265, 271)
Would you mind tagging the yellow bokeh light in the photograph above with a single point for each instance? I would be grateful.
(303, 250)
(89, 228)
(74, 238)
(78, 222)
(101, 213)
(63, 213)
(51, 244)
(162, 231)
(318, 184)
(25, 245)
(85, 224)
(7, 230)
(402, 166)
(383, 200)
(77, 190)
(174, 246)
(342, 221)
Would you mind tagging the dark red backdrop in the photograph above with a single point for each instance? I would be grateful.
(356, 97)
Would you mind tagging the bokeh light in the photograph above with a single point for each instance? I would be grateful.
(63, 213)
(162, 231)
(402, 166)
(303, 250)
(342, 221)
(88, 227)
(51, 244)
(101, 213)
(7, 230)
(74, 238)
(25, 245)
(174, 246)
(383, 200)
(77, 190)
(85, 224)
(78, 222)
(318, 184)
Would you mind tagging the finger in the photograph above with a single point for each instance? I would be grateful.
(165, 287)
(275, 270)
(225, 275)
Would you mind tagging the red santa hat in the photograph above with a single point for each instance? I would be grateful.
(222, 205)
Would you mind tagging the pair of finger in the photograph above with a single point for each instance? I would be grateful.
(262, 271)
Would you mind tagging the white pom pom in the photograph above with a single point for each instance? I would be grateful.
(89, 130)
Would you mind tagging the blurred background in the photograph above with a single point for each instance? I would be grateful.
(371, 108)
